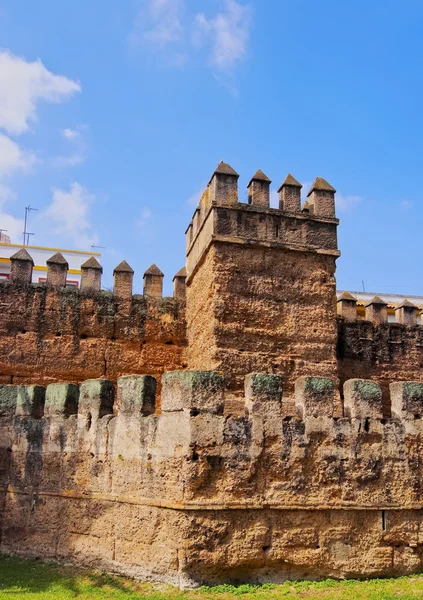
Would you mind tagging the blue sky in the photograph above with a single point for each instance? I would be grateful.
(113, 115)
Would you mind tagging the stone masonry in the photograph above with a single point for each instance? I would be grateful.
(251, 428)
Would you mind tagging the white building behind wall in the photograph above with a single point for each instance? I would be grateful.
(40, 255)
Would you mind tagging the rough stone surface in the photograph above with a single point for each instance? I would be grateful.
(195, 497)
(258, 469)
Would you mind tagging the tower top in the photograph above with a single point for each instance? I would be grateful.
(224, 169)
(290, 180)
(321, 185)
(259, 176)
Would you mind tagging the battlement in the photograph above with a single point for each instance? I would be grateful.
(91, 271)
(51, 332)
(102, 478)
(220, 217)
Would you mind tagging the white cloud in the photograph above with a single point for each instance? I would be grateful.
(13, 158)
(145, 216)
(69, 161)
(346, 203)
(68, 215)
(22, 85)
(165, 25)
(14, 227)
(227, 34)
(6, 193)
(158, 23)
(71, 134)
(194, 200)
(74, 137)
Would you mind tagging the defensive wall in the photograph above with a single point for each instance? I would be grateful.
(56, 333)
(251, 428)
(193, 495)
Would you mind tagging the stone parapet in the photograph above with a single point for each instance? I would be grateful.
(104, 481)
(50, 334)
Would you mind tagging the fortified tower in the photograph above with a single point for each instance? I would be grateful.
(261, 291)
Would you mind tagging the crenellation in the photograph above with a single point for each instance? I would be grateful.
(57, 271)
(406, 314)
(290, 195)
(223, 186)
(316, 397)
(153, 282)
(346, 306)
(179, 285)
(407, 400)
(198, 466)
(123, 275)
(377, 311)
(259, 190)
(136, 394)
(253, 427)
(362, 399)
(21, 267)
(321, 199)
(91, 272)
(61, 399)
(30, 401)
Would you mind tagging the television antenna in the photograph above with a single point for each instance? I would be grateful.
(26, 234)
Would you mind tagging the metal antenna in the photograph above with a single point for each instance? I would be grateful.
(25, 233)
(363, 286)
(94, 246)
(1, 231)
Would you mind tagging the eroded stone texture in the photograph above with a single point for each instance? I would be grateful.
(194, 496)
(257, 477)
(64, 334)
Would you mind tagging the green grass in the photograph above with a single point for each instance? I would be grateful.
(36, 580)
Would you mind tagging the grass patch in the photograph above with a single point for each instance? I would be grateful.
(37, 580)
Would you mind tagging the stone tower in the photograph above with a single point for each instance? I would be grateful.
(261, 281)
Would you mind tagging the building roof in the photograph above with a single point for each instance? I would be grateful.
(290, 180)
(259, 176)
(123, 267)
(154, 270)
(392, 300)
(8, 245)
(322, 185)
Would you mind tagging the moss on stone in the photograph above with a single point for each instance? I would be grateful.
(263, 384)
(319, 385)
(368, 390)
(413, 391)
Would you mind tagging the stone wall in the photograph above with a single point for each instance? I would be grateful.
(52, 334)
(194, 495)
(382, 352)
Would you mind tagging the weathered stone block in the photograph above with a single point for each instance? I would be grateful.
(31, 400)
(61, 399)
(8, 400)
(200, 391)
(263, 393)
(136, 394)
(362, 399)
(407, 399)
(96, 397)
(315, 397)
